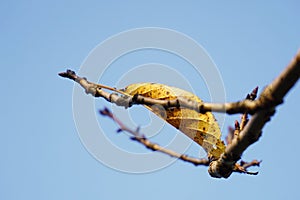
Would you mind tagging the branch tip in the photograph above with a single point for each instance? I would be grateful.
(105, 112)
(119, 130)
(68, 74)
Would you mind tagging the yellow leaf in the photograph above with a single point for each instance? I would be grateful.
(202, 128)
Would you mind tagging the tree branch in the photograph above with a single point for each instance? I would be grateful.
(262, 110)
(240, 168)
(274, 92)
(245, 106)
(152, 146)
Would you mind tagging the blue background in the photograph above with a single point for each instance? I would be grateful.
(41, 154)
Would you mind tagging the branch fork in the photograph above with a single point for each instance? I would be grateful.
(240, 138)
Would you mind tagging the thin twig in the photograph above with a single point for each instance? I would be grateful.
(246, 165)
(154, 147)
(137, 136)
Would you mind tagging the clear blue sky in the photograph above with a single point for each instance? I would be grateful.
(41, 154)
